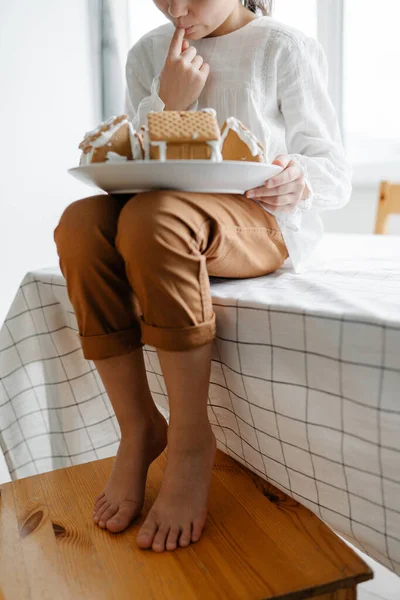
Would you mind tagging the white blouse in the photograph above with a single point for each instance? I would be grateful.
(272, 77)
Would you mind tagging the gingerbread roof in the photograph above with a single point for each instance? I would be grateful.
(92, 136)
(182, 126)
(234, 124)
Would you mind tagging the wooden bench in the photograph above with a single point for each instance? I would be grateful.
(257, 543)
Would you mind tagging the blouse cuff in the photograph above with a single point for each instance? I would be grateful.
(291, 220)
(157, 105)
(307, 202)
(194, 106)
(156, 102)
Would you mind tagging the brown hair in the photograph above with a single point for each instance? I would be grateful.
(264, 6)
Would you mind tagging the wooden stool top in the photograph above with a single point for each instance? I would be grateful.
(257, 543)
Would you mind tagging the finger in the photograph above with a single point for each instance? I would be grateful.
(294, 187)
(290, 174)
(189, 54)
(269, 184)
(175, 46)
(287, 208)
(283, 160)
(197, 61)
(185, 45)
(205, 68)
(280, 201)
(256, 192)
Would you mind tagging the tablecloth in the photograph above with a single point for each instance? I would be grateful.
(304, 387)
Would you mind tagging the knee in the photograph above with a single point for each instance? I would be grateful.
(79, 223)
(148, 219)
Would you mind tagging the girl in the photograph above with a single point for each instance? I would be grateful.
(158, 248)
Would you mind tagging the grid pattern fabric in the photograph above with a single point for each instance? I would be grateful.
(304, 387)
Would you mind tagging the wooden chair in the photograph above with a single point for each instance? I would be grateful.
(257, 543)
(389, 203)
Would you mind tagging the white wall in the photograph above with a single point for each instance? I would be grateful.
(143, 16)
(46, 105)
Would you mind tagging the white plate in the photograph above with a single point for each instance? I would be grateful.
(228, 176)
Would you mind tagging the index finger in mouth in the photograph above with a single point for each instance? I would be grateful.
(175, 46)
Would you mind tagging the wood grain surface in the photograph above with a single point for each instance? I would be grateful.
(257, 543)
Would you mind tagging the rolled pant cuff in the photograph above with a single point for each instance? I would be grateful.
(108, 345)
(178, 338)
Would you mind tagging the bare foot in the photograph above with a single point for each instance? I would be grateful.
(123, 496)
(179, 513)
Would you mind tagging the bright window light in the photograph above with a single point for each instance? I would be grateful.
(300, 14)
(372, 80)
(144, 16)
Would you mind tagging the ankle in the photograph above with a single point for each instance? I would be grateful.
(181, 438)
(190, 425)
(141, 428)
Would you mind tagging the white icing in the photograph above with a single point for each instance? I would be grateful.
(246, 136)
(162, 146)
(86, 159)
(146, 142)
(211, 111)
(115, 158)
(135, 144)
(216, 155)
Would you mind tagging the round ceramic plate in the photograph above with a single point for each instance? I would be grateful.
(134, 176)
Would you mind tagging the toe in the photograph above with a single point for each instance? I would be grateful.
(99, 497)
(184, 540)
(146, 534)
(123, 518)
(101, 510)
(198, 525)
(160, 537)
(172, 539)
(108, 513)
(99, 505)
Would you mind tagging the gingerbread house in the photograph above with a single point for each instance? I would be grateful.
(239, 143)
(182, 135)
(171, 135)
(109, 141)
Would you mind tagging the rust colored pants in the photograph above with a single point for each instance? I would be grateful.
(137, 266)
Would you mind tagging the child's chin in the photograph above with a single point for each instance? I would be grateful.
(195, 34)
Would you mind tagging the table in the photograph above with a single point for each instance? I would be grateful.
(304, 387)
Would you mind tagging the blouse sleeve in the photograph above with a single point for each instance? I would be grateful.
(312, 130)
(142, 87)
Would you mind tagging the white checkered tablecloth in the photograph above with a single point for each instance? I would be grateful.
(304, 389)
